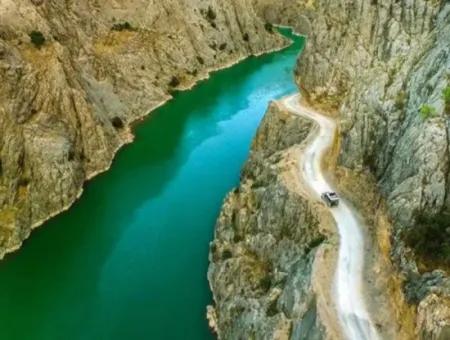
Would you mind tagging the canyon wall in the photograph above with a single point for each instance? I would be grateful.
(75, 74)
(272, 255)
(384, 66)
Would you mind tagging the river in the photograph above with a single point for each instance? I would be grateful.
(129, 259)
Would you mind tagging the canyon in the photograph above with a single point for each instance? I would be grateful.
(67, 105)
(382, 68)
(76, 76)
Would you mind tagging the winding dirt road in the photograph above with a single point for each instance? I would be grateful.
(353, 315)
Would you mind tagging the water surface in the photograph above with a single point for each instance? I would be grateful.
(129, 260)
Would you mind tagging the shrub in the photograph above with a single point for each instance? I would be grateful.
(400, 100)
(227, 254)
(446, 96)
(71, 155)
(272, 309)
(123, 26)
(315, 243)
(37, 39)
(200, 60)
(246, 37)
(23, 181)
(223, 46)
(117, 122)
(269, 27)
(210, 14)
(427, 111)
(430, 237)
(265, 283)
(174, 82)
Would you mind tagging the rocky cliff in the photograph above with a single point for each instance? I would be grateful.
(385, 67)
(75, 74)
(272, 256)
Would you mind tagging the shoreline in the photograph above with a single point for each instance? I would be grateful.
(128, 135)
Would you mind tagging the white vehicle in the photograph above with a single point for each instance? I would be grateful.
(330, 198)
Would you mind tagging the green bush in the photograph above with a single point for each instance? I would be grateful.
(227, 254)
(430, 237)
(265, 283)
(272, 309)
(400, 100)
(200, 60)
(174, 82)
(269, 27)
(123, 26)
(117, 122)
(37, 39)
(446, 96)
(210, 14)
(427, 111)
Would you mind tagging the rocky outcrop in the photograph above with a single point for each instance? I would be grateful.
(270, 250)
(74, 76)
(385, 67)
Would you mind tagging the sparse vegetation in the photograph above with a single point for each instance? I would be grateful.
(427, 111)
(211, 14)
(227, 254)
(269, 27)
(71, 155)
(23, 181)
(200, 60)
(174, 82)
(117, 122)
(446, 96)
(315, 243)
(122, 26)
(265, 283)
(37, 39)
(272, 309)
(400, 100)
(194, 72)
(430, 238)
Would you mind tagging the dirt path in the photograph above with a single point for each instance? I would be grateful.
(353, 315)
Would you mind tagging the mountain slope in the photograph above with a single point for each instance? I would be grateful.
(67, 100)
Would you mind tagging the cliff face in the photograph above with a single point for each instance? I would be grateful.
(269, 259)
(66, 104)
(384, 66)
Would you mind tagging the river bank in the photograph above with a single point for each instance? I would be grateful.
(68, 100)
(130, 256)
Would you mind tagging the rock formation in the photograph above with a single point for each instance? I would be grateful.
(385, 67)
(269, 255)
(74, 76)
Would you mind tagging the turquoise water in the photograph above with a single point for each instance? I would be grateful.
(129, 260)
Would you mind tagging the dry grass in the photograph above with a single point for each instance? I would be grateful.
(115, 42)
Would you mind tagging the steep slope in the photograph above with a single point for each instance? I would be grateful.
(384, 66)
(272, 259)
(66, 103)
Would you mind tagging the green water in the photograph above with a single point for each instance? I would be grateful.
(129, 260)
